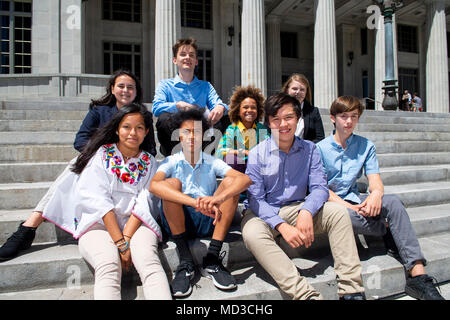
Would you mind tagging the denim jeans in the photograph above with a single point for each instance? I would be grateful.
(393, 211)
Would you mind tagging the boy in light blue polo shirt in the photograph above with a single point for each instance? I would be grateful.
(193, 206)
(183, 92)
(345, 156)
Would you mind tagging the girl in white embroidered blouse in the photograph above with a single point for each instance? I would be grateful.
(105, 203)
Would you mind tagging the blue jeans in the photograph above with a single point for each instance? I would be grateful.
(393, 211)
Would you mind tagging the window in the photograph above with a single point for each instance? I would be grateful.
(196, 14)
(288, 44)
(363, 41)
(203, 71)
(408, 80)
(407, 38)
(122, 55)
(122, 10)
(448, 44)
(15, 29)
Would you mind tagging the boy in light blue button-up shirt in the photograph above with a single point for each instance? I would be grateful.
(184, 92)
(193, 206)
(345, 156)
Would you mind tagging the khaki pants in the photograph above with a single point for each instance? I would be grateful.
(333, 218)
(97, 247)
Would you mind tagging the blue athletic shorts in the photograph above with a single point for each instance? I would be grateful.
(197, 224)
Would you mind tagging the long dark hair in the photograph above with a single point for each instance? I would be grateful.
(107, 135)
(109, 99)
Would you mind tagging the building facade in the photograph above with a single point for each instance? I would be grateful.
(66, 48)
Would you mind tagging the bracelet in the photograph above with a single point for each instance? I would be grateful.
(127, 236)
(121, 239)
(123, 246)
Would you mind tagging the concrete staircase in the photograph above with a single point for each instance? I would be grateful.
(36, 144)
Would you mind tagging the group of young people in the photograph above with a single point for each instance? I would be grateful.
(295, 183)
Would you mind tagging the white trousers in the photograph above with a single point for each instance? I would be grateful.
(99, 250)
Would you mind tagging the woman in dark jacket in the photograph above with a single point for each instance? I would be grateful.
(123, 88)
(310, 126)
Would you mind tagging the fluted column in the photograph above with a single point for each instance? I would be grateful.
(167, 32)
(325, 54)
(273, 55)
(253, 67)
(436, 58)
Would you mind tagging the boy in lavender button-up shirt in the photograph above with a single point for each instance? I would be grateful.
(283, 169)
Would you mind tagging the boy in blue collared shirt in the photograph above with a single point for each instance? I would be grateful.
(184, 92)
(193, 206)
(345, 156)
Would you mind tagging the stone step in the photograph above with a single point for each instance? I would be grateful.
(40, 125)
(80, 105)
(405, 136)
(395, 114)
(412, 159)
(414, 174)
(421, 194)
(411, 146)
(30, 172)
(37, 152)
(391, 127)
(21, 195)
(42, 114)
(425, 220)
(46, 267)
(49, 137)
(131, 291)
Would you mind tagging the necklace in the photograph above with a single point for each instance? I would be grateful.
(128, 158)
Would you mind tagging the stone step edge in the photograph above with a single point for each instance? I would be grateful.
(383, 276)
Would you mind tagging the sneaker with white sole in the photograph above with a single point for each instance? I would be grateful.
(181, 283)
(214, 270)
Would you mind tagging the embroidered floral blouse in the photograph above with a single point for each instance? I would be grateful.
(106, 183)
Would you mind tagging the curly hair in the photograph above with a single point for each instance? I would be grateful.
(299, 78)
(239, 95)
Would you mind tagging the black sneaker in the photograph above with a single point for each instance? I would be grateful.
(390, 245)
(422, 288)
(19, 240)
(214, 270)
(353, 296)
(181, 283)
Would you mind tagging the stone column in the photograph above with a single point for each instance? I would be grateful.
(167, 32)
(273, 55)
(253, 52)
(325, 54)
(436, 58)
